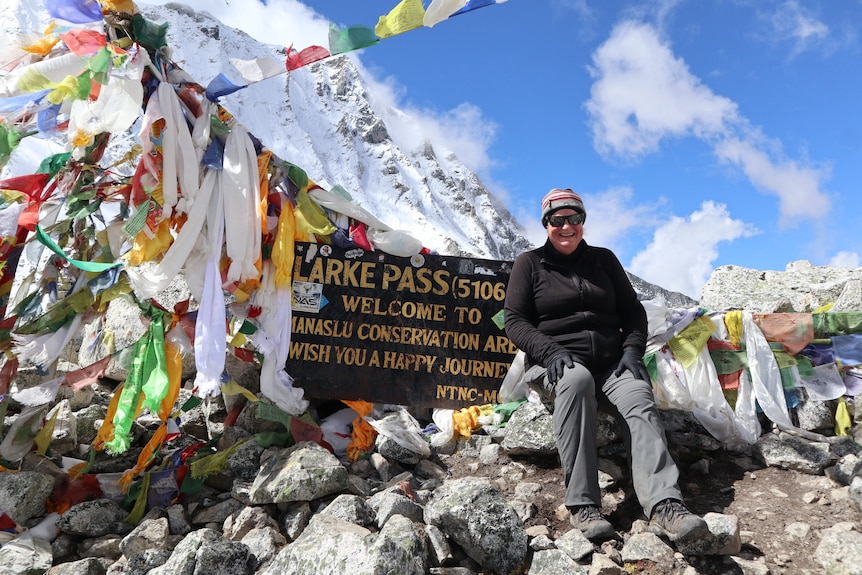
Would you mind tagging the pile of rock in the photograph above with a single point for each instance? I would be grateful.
(304, 510)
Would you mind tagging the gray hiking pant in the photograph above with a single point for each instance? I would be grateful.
(574, 401)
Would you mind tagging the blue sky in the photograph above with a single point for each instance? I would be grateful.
(700, 133)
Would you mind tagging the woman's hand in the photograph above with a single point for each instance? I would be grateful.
(634, 362)
(557, 364)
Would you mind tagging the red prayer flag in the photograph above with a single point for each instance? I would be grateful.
(30, 185)
(83, 377)
(83, 42)
(305, 56)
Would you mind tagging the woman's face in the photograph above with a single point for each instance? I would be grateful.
(567, 237)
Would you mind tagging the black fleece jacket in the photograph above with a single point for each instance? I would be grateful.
(582, 302)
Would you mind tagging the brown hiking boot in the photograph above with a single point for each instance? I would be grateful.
(589, 520)
(673, 519)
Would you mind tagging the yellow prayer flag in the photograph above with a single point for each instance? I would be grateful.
(843, 421)
(733, 322)
(43, 437)
(406, 16)
(686, 345)
(233, 388)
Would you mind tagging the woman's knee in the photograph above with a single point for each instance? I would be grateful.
(576, 381)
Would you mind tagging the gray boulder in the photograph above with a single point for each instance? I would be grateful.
(23, 494)
(303, 472)
(474, 515)
(207, 551)
(94, 519)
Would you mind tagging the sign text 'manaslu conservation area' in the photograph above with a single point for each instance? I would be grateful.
(425, 330)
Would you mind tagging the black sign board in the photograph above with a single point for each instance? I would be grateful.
(423, 331)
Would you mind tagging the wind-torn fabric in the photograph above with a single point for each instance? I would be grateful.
(40, 394)
(180, 171)
(117, 107)
(152, 281)
(241, 190)
(221, 86)
(273, 341)
(210, 339)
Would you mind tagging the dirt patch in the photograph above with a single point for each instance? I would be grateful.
(781, 513)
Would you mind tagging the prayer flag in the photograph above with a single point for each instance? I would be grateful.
(83, 42)
(351, 38)
(256, 70)
(686, 345)
(474, 4)
(793, 330)
(406, 16)
(76, 11)
(221, 86)
(826, 384)
(440, 10)
(848, 349)
(305, 56)
(46, 120)
(45, 240)
(85, 376)
(19, 102)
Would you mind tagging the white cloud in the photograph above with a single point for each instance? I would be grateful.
(797, 187)
(793, 23)
(845, 259)
(643, 94)
(612, 216)
(681, 255)
(279, 22)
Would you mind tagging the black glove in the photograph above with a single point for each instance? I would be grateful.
(557, 364)
(634, 362)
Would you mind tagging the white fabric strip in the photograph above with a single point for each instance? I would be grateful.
(273, 340)
(241, 186)
(210, 336)
(179, 158)
(148, 284)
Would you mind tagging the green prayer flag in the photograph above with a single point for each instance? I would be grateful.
(136, 223)
(149, 34)
(128, 402)
(728, 360)
(804, 366)
(45, 240)
(52, 164)
(155, 386)
(98, 67)
(137, 513)
(350, 38)
(837, 323)
(9, 139)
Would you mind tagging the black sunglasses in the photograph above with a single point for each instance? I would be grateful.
(560, 221)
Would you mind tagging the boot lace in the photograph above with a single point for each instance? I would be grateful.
(588, 513)
(671, 511)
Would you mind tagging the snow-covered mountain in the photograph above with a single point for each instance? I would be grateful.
(320, 117)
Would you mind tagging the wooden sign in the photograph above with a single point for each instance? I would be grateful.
(420, 331)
